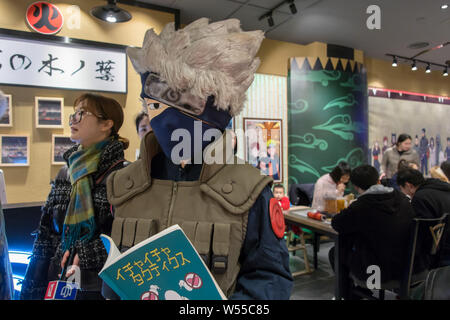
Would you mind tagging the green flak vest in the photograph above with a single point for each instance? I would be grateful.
(213, 211)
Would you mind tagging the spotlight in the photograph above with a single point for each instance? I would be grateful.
(444, 6)
(270, 20)
(394, 62)
(445, 73)
(111, 13)
(413, 66)
(293, 7)
(428, 70)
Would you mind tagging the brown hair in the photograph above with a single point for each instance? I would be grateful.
(105, 108)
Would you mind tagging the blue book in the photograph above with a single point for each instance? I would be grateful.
(165, 266)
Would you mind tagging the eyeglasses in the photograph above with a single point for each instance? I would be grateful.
(78, 116)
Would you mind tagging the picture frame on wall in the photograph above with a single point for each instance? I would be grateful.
(49, 112)
(60, 144)
(264, 146)
(15, 150)
(7, 119)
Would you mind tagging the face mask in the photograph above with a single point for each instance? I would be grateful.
(181, 137)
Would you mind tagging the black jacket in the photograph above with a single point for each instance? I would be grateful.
(432, 200)
(46, 257)
(377, 226)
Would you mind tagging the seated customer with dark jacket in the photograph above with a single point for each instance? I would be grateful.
(377, 227)
(430, 199)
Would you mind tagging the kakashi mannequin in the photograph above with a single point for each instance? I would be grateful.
(202, 73)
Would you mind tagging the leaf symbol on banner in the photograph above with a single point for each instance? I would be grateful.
(298, 106)
(322, 76)
(301, 166)
(294, 180)
(309, 141)
(354, 82)
(342, 126)
(341, 102)
(354, 158)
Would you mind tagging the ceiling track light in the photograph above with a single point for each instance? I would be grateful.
(111, 13)
(269, 15)
(415, 61)
(394, 62)
(270, 20)
(292, 7)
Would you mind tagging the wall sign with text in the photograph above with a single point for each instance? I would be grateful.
(54, 65)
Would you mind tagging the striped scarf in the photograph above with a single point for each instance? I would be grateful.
(79, 223)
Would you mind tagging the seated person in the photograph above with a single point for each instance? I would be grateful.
(430, 199)
(331, 185)
(441, 172)
(278, 193)
(377, 227)
(402, 164)
(445, 167)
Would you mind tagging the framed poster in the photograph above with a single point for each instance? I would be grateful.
(7, 119)
(15, 150)
(60, 144)
(263, 146)
(49, 112)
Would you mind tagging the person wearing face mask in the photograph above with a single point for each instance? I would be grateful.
(188, 173)
(392, 156)
(77, 210)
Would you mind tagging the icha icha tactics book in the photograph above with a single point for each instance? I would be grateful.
(165, 266)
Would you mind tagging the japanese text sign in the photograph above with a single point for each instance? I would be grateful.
(53, 65)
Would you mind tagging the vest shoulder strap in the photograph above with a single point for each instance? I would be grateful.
(236, 187)
(123, 184)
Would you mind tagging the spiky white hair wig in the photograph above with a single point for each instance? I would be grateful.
(203, 59)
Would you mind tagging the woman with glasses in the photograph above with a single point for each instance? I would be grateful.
(77, 210)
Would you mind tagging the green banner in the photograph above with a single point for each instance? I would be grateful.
(327, 118)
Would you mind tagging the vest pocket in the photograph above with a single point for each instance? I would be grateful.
(189, 228)
(130, 231)
(145, 229)
(220, 248)
(116, 231)
(202, 240)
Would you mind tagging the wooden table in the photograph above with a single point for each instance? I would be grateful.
(318, 227)
(324, 228)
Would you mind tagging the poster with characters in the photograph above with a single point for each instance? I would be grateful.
(422, 117)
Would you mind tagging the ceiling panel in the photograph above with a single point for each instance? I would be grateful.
(342, 22)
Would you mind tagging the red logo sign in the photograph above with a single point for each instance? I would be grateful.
(44, 17)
